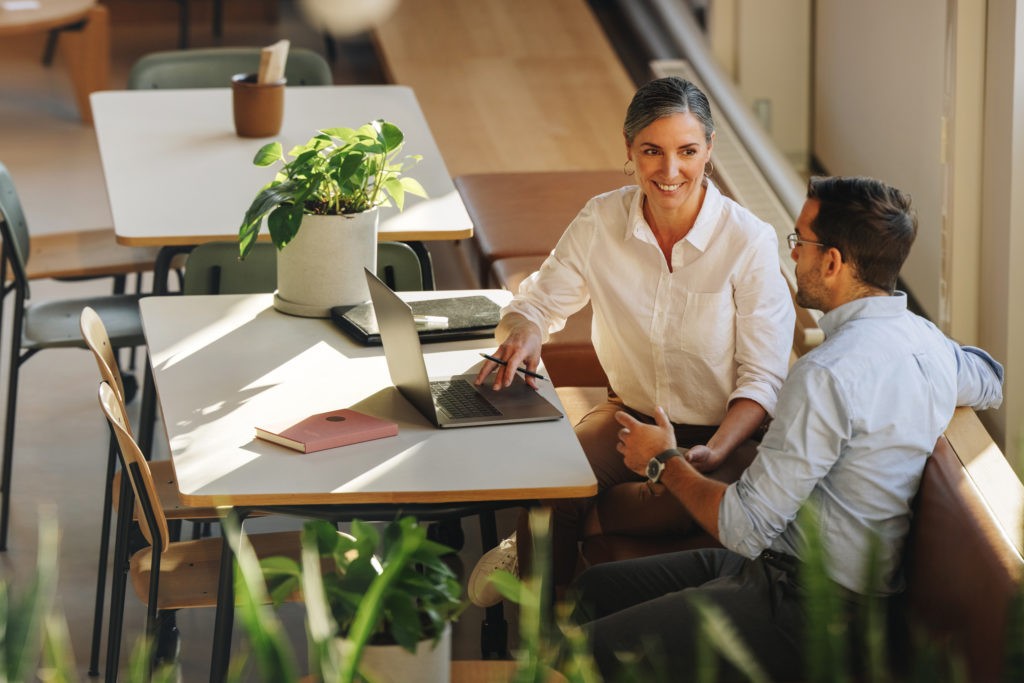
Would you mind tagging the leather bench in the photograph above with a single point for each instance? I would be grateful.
(524, 214)
(963, 558)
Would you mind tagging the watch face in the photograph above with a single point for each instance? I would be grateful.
(654, 468)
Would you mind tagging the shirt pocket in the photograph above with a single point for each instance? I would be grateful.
(707, 327)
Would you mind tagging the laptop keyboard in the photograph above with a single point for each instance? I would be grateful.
(459, 399)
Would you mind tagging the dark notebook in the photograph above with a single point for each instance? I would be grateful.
(469, 317)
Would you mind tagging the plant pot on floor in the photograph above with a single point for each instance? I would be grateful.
(323, 265)
(395, 664)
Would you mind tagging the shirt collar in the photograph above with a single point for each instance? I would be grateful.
(701, 232)
(865, 307)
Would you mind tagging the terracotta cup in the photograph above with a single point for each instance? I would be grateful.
(258, 107)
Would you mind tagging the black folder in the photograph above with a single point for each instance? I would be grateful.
(469, 317)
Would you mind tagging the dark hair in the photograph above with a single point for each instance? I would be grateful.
(664, 97)
(871, 224)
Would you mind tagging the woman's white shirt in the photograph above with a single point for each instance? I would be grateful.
(717, 327)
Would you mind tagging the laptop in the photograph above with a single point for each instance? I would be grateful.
(446, 401)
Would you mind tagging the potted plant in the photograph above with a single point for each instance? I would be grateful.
(323, 204)
(390, 596)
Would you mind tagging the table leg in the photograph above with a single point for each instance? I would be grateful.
(147, 410)
(88, 58)
(224, 620)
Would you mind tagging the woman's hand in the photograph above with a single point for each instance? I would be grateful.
(520, 348)
(639, 442)
(704, 459)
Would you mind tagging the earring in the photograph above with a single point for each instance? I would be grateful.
(709, 168)
(627, 169)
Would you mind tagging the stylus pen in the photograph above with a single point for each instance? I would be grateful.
(528, 373)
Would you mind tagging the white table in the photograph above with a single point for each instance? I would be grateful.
(223, 364)
(178, 175)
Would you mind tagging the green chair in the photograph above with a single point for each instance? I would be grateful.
(213, 68)
(46, 325)
(214, 268)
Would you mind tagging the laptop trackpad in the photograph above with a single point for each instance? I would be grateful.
(517, 400)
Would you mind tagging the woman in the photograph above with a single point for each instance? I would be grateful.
(691, 312)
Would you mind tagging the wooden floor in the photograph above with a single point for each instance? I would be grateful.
(532, 85)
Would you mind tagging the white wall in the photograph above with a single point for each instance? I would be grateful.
(878, 89)
(766, 48)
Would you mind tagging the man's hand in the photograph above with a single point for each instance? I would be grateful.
(639, 442)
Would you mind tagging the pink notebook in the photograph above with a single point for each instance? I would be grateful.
(329, 430)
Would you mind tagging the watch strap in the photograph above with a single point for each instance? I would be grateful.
(665, 456)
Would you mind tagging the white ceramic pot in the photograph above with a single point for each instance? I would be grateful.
(323, 265)
(394, 664)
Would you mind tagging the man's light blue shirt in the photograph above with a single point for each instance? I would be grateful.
(856, 421)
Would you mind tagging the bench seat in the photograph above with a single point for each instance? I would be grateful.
(963, 558)
(524, 214)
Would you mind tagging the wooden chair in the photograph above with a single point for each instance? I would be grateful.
(46, 325)
(168, 576)
(96, 339)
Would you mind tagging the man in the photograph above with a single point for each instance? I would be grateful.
(856, 420)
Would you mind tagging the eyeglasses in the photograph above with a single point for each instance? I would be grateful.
(793, 239)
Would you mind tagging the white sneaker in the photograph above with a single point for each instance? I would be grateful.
(482, 592)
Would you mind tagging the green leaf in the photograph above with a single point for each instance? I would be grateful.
(509, 585)
(348, 168)
(412, 186)
(394, 188)
(391, 135)
(283, 223)
(266, 634)
(268, 154)
(405, 620)
(347, 135)
(722, 634)
(825, 647)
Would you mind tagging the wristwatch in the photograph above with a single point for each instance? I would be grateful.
(657, 464)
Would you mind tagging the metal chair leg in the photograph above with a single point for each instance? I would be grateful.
(16, 360)
(101, 570)
(119, 577)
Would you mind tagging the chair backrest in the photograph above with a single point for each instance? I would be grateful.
(135, 465)
(94, 332)
(14, 229)
(213, 68)
(398, 267)
(214, 268)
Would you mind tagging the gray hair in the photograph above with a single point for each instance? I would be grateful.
(665, 97)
